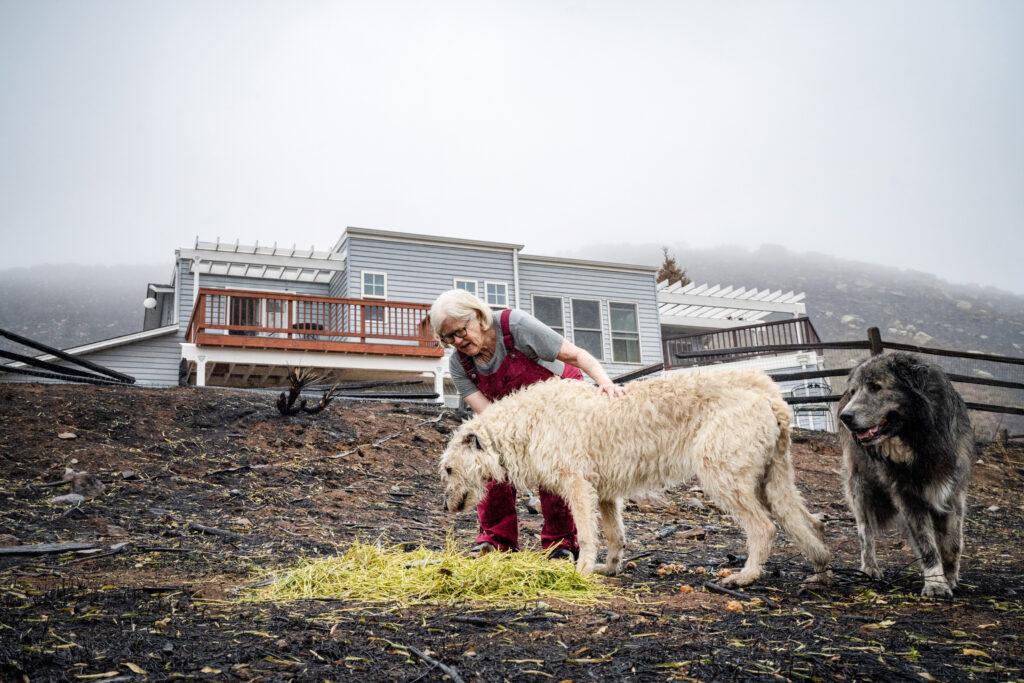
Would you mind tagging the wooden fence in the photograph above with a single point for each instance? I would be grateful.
(873, 344)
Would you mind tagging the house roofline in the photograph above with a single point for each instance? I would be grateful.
(113, 342)
(416, 237)
(584, 263)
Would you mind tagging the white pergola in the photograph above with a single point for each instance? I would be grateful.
(716, 307)
(273, 263)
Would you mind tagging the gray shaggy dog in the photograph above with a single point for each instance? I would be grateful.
(908, 447)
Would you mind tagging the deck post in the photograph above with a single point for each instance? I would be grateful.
(439, 383)
(201, 371)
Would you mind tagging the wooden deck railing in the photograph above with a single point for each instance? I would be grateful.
(232, 317)
(796, 331)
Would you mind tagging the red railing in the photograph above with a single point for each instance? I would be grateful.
(232, 317)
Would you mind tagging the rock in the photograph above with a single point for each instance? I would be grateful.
(68, 499)
(115, 531)
(8, 539)
(694, 504)
(88, 485)
(922, 338)
(992, 508)
(67, 435)
(129, 474)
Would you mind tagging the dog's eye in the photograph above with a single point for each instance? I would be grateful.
(874, 387)
(448, 470)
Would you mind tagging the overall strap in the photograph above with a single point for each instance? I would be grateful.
(506, 331)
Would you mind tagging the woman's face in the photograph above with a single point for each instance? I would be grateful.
(466, 335)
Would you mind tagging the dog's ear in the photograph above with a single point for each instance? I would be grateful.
(910, 372)
(473, 441)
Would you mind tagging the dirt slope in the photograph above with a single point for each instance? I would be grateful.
(283, 488)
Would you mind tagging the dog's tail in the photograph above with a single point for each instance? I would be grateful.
(803, 528)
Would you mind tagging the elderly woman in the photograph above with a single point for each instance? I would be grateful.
(496, 354)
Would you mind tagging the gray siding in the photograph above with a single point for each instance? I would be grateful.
(419, 272)
(339, 282)
(581, 282)
(152, 362)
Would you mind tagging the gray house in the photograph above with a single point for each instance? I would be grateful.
(242, 315)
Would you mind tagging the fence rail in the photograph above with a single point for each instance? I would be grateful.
(875, 345)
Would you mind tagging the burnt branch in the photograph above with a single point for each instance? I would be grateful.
(298, 379)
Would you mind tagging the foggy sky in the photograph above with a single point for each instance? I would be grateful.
(877, 131)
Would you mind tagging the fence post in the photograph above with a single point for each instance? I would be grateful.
(875, 339)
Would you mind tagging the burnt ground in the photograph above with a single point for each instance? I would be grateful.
(161, 605)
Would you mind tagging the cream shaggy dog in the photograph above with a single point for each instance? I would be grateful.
(729, 428)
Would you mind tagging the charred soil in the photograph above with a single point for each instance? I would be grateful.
(205, 490)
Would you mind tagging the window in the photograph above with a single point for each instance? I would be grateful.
(375, 285)
(548, 310)
(625, 333)
(496, 294)
(466, 285)
(586, 327)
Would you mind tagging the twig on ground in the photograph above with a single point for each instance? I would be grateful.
(45, 548)
(449, 671)
(716, 588)
(213, 531)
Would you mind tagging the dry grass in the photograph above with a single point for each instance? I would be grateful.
(375, 573)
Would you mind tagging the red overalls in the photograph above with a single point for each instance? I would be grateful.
(499, 524)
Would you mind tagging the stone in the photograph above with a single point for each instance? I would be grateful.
(88, 485)
(68, 499)
(67, 435)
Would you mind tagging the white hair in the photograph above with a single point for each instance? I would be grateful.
(460, 305)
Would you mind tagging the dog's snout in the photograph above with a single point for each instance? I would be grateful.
(847, 418)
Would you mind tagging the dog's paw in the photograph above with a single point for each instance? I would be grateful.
(819, 579)
(937, 590)
(738, 580)
(872, 571)
(584, 566)
(609, 570)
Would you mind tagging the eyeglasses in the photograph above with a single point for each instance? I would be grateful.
(449, 338)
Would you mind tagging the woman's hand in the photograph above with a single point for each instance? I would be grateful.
(612, 390)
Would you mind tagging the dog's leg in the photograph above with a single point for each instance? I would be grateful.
(753, 517)
(950, 531)
(924, 543)
(581, 496)
(872, 509)
(614, 534)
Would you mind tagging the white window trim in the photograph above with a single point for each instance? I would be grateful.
(611, 332)
(476, 288)
(362, 285)
(561, 299)
(496, 282)
(600, 322)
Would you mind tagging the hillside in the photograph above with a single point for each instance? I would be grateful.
(846, 297)
(68, 305)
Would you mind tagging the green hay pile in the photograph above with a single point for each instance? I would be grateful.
(375, 574)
